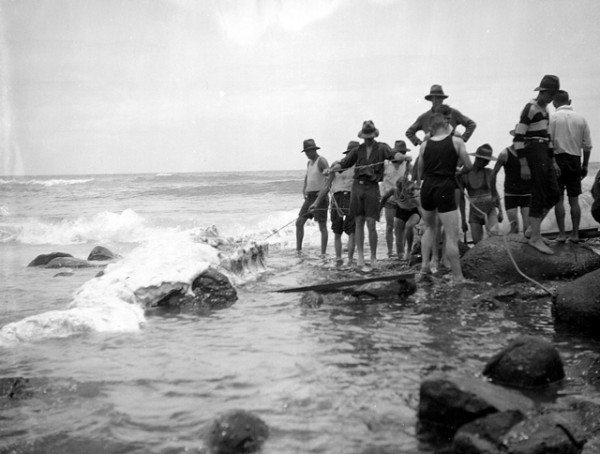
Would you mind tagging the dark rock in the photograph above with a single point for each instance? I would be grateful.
(586, 367)
(552, 433)
(69, 262)
(237, 431)
(484, 435)
(592, 446)
(64, 274)
(211, 290)
(528, 362)
(448, 402)
(577, 303)
(489, 260)
(44, 259)
(13, 387)
(101, 253)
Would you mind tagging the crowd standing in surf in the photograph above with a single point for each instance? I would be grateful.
(549, 155)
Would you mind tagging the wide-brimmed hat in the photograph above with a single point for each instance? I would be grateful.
(550, 83)
(351, 146)
(437, 91)
(484, 152)
(309, 144)
(368, 130)
(400, 146)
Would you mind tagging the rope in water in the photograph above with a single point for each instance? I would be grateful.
(505, 241)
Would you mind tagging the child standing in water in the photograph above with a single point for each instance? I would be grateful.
(482, 194)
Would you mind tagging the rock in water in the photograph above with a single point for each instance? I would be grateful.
(528, 362)
(102, 253)
(490, 261)
(236, 432)
(577, 303)
(44, 259)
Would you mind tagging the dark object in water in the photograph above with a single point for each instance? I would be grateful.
(44, 259)
(101, 253)
(528, 362)
(235, 432)
(333, 286)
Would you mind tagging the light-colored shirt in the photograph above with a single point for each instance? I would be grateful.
(570, 132)
(315, 180)
(342, 182)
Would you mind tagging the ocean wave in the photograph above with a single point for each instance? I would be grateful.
(105, 227)
(46, 183)
(116, 301)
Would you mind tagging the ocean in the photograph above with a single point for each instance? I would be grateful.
(328, 374)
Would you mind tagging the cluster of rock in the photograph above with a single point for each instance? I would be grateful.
(477, 416)
(64, 260)
(507, 259)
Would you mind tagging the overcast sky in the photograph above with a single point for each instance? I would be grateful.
(132, 86)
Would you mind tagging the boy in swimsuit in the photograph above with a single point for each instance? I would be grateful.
(482, 194)
(407, 201)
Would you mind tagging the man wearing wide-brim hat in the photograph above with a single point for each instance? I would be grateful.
(364, 204)
(314, 181)
(534, 148)
(436, 95)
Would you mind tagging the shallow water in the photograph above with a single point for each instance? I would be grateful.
(328, 373)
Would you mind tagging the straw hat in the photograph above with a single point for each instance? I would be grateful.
(368, 130)
(484, 152)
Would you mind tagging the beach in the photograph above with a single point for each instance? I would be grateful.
(327, 373)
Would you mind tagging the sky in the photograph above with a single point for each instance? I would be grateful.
(165, 86)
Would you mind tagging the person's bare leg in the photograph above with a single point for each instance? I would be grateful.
(476, 232)
(575, 218)
(525, 218)
(427, 240)
(450, 222)
(371, 226)
(300, 233)
(359, 233)
(399, 230)
(559, 213)
(389, 229)
(337, 245)
(513, 220)
(351, 245)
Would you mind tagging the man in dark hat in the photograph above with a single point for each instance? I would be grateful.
(436, 96)
(572, 142)
(314, 181)
(534, 148)
(364, 205)
(339, 184)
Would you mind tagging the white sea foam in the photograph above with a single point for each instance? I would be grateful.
(47, 183)
(125, 227)
(115, 301)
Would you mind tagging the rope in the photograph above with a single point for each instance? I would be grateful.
(505, 241)
(292, 221)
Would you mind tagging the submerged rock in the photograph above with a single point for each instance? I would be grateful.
(489, 260)
(577, 303)
(44, 259)
(69, 262)
(101, 253)
(236, 432)
(484, 435)
(448, 402)
(552, 433)
(527, 362)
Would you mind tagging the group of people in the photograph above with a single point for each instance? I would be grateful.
(548, 155)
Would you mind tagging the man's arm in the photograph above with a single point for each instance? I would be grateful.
(323, 192)
(411, 132)
(465, 121)
(587, 149)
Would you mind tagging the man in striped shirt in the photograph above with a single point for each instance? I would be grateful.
(533, 145)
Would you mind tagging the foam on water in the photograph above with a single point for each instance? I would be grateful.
(115, 301)
(46, 183)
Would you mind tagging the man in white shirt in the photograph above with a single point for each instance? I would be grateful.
(571, 138)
